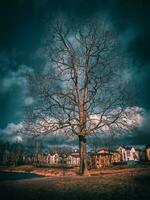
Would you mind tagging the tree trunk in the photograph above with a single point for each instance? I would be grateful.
(83, 156)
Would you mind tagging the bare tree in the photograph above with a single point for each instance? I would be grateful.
(81, 90)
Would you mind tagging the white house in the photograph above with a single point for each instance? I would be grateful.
(53, 159)
(73, 159)
(128, 153)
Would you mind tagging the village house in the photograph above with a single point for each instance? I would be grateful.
(53, 158)
(148, 152)
(105, 158)
(123, 153)
(116, 157)
(129, 154)
(73, 159)
(143, 155)
(140, 154)
(42, 159)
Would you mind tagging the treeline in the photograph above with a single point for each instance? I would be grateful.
(16, 153)
(12, 153)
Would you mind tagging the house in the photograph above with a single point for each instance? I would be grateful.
(106, 157)
(53, 158)
(73, 159)
(129, 154)
(46, 159)
(123, 153)
(138, 154)
(143, 155)
(116, 157)
(148, 152)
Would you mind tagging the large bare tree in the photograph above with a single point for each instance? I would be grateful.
(81, 89)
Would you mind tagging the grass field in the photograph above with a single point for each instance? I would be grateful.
(124, 184)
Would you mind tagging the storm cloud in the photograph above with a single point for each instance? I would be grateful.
(22, 24)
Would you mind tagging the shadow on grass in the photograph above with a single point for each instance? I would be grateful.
(12, 176)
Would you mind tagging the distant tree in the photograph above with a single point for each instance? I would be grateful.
(81, 90)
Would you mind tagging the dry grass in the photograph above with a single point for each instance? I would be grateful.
(123, 184)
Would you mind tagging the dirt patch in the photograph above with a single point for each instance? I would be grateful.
(48, 172)
(57, 172)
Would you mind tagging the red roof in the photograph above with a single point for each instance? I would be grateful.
(103, 149)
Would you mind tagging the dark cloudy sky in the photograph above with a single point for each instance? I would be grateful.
(22, 24)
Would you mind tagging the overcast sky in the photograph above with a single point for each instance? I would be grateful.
(22, 25)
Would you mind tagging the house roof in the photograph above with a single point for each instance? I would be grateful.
(75, 154)
(103, 149)
(105, 153)
(107, 150)
(128, 148)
